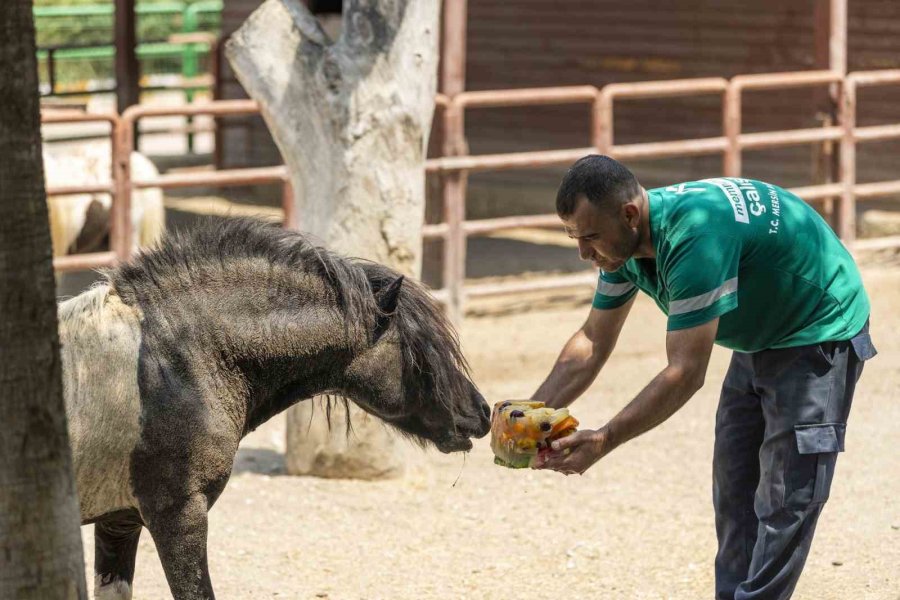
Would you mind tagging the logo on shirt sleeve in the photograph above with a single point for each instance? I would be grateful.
(683, 189)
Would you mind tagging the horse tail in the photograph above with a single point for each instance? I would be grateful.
(153, 223)
(68, 214)
(58, 225)
(149, 202)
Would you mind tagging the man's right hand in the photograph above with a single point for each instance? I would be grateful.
(576, 453)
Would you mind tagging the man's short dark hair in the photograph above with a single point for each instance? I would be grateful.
(605, 182)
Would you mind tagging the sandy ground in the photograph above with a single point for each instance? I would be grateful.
(638, 525)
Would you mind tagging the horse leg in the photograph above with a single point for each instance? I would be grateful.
(115, 550)
(179, 468)
(179, 531)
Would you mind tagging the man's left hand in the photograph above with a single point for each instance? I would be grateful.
(575, 453)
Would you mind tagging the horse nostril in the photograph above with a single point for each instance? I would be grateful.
(478, 422)
(485, 424)
(478, 425)
(486, 411)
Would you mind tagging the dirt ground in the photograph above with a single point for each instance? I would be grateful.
(638, 525)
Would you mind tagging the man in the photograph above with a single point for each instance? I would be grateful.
(749, 266)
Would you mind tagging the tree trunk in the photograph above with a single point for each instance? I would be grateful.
(40, 542)
(351, 118)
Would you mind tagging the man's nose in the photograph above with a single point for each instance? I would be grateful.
(584, 250)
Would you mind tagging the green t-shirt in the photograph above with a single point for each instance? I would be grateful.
(750, 253)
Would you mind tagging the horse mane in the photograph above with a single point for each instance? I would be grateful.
(433, 364)
(182, 255)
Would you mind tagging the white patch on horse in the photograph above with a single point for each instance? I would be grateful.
(100, 339)
(117, 590)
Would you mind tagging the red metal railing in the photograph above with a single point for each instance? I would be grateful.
(456, 163)
(730, 144)
(851, 191)
(122, 129)
(737, 142)
(119, 212)
(221, 178)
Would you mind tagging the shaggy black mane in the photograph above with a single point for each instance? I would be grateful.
(182, 255)
(433, 365)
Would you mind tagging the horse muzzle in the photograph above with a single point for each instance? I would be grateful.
(454, 444)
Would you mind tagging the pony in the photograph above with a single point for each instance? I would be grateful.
(180, 352)
(80, 222)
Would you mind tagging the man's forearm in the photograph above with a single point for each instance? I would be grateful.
(574, 371)
(662, 397)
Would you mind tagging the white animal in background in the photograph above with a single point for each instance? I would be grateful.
(80, 222)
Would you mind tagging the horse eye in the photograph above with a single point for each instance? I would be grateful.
(545, 426)
(517, 414)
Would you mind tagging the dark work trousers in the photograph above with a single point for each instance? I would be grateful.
(780, 425)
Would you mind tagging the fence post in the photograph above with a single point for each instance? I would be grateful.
(454, 204)
(189, 66)
(731, 125)
(596, 124)
(452, 83)
(603, 122)
(126, 63)
(291, 220)
(51, 70)
(120, 220)
(846, 222)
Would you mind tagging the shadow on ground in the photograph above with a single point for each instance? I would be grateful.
(258, 460)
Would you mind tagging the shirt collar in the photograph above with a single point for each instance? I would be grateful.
(655, 205)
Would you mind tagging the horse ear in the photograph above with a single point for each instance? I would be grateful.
(388, 296)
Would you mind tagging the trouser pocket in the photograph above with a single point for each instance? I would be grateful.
(809, 481)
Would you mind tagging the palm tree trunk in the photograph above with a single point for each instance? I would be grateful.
(40, 541)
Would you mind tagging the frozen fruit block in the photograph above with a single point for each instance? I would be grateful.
(520, 429)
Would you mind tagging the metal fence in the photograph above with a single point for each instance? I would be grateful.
(122, 142)
(457, 163)
(171, 49)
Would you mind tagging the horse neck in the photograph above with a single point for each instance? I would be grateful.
(266, 337)
(286, 348)
(295, 365)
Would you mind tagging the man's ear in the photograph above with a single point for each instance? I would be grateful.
(631, 213)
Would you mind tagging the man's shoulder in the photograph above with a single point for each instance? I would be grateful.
(708, 205)
(684, 186)
(713, 186)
